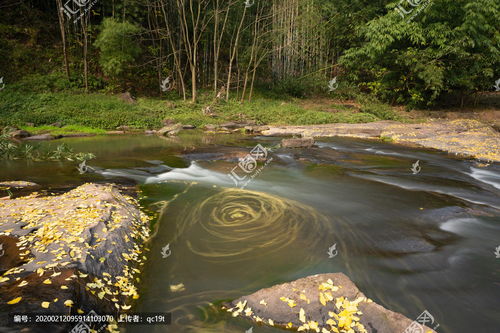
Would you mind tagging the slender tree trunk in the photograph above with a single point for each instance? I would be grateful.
(233, 53)
(62, 29)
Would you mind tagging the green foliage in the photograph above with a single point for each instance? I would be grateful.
(301, 87)
(94, 113)
(448, 46)
(10, 150)
(118, 45)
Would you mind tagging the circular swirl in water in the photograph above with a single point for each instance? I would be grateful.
(237, 222)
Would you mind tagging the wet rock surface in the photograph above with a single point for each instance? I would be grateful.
(319, 303)
(297, 143)
(464, 137)
(71, 253)
(169, 130)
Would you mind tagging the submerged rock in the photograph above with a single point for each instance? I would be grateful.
(17, 184)
(16, 188)
(297, 143)
(319, 303)
(74, 252)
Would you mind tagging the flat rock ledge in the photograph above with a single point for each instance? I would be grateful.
(465, 137)
(320, 303)
(73, 253)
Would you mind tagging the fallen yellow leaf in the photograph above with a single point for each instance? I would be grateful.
(15, 300)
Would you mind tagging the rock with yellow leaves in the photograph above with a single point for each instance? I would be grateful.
(464, 137)
(79, 251)
(320, 303)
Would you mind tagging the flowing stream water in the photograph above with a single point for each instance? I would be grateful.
(411, 242)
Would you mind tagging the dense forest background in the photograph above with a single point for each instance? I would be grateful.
(413, 52)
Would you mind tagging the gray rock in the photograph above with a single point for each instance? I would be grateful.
(256, 129)
(297, 143)
(231, 125)
(56, 124)
(20, 134)
(211, 127)
(127, 98)
(283, 304)
(170, 130)
(41, 137)
(123, 128)
(187, 127)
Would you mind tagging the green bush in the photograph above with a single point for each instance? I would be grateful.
(118, 46)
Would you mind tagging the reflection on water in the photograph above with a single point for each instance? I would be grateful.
(410, 242)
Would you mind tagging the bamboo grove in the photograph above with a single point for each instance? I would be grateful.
(223, 45)
(233, 47)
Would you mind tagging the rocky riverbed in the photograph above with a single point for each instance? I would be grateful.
(468, 138)
(72, 253)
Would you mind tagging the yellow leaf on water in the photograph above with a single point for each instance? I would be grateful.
(47, 281)
(178, 287)
(126, 307)
(68, 303)
(64, 287)
(22, 284)
(15, 300)
(263, 302)
(289, 325)
(45, 305)
(271, 322)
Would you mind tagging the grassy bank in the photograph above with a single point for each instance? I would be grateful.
(96, 112)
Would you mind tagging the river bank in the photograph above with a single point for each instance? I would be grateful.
(467, 138)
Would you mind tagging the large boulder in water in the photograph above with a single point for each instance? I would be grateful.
(72, 253)
(319, 303)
